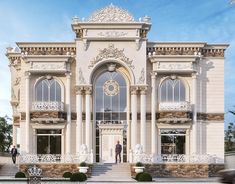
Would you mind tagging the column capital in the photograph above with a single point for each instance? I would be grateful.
(153, 74)
(194, 75)
(143, 90)
(68, 74)
(27, 74)
(79, 90)
(88, 90)
(134, 90)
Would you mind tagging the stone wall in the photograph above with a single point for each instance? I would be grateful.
(181, 170)
(54, 170)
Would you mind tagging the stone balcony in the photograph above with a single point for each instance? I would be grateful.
(175, 106)
(48, 106)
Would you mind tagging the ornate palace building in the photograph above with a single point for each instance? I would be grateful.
(161, 100)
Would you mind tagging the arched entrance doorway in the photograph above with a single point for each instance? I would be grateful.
(110, 114)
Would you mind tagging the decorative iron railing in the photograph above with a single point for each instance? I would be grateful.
(48, 106)
(55, 158)
(175, 106)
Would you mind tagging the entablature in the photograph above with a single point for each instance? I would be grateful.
(175, 64)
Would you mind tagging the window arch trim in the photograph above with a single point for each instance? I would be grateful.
(43, 78)
(183, 80)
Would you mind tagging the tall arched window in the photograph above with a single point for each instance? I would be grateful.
(172, 90)
(48, 90)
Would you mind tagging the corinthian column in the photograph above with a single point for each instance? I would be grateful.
(88, 91)
(153, 114)
(68, 107)
(79, 119)
(27, 112)
(143, 117)
(194, 105)
(133, 117)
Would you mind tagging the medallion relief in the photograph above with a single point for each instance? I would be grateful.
(111, 88)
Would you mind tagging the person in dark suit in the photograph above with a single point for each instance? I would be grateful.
(118, 150)
(14, 154)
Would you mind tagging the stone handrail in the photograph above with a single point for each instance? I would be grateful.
(175, 106)
(175, 158)
(55, 158)
(48, 106)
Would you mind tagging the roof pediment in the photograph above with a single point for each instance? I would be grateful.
(111, 14)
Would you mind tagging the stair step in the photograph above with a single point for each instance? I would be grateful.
(111, 172)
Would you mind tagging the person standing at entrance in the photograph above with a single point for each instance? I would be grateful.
(14, 154)
(118, 150)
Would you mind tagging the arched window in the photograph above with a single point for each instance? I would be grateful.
(172, 90)
(48, 90)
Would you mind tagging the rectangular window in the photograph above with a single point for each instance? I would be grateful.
(48, 141)
(173, 141)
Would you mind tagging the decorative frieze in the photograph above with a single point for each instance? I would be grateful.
(206, 52)
(48, 114)
(174, 114)
(112, 34)
(111, 53)
(174, 66)
(48, 50)
(210, 116)
(52, 66)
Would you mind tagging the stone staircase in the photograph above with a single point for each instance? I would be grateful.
(111, 172)
(8, 170)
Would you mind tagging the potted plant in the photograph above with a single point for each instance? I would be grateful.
(139, 167)
(83, 167)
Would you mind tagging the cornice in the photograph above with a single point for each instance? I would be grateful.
(203, 49)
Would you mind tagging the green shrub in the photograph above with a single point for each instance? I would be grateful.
(137, 176)
(145, 177)
(67, 175)
(139, 164)
(78, 177)
(20, 175)
(83, 164)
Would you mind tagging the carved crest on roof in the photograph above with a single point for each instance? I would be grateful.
(111, 13)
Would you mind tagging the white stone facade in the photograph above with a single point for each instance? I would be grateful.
(112, 84)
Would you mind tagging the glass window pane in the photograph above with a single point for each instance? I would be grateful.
(123, 99)
(43, 145)
(52, 92)
(107, 103)
(163, 92)
(45, 91)
(39, 91)
(169, 92)
(99, 99)
(182, 91)
(180, 144)
(55, 144)
(115, 103)
(58, 92)
(177, 92)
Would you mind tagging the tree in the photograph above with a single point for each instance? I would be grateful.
(230, 135)
(5, 134)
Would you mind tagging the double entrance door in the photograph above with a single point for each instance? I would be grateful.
(109, 135)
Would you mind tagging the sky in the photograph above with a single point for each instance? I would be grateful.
(211, 21)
